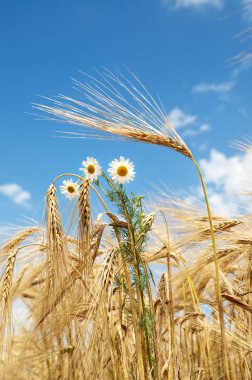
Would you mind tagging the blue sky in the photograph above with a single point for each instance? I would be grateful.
(179, 49)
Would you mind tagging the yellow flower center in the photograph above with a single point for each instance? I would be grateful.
(71, 189)
(91, 169)
(122, 171)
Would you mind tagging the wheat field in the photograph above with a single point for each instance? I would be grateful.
(148, 288)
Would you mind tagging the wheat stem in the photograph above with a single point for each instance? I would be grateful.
(217, 271)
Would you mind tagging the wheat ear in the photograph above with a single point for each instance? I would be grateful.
(7, 296)
(55, 238)
(84, 223)
(17, 240)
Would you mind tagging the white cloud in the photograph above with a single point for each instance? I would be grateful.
(198, 130)
(219, 88)
(179, 118)
(247, 10)
(193, 3)
(205, 127)
(227, 180)
(16, 193)
(242, 65)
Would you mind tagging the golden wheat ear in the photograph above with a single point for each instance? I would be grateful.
(6, 294)
(120, 106)
(84, 224)
(16, 240)
(55, 242)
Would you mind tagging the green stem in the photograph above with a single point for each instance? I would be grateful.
(141, 367)
(137, 264)
(136, 269)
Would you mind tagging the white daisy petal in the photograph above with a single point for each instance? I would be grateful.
(69, 188)
(122, 170)
(91, 168)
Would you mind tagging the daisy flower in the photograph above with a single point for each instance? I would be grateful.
(121, 170)
(69, 188)
(91, 168)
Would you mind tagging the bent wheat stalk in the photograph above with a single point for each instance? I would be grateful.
(218, 284)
